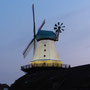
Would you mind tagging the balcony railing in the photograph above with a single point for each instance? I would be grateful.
(44, 65)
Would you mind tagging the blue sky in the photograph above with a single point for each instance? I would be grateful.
(16, 32)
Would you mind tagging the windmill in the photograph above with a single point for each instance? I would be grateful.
(45, 54)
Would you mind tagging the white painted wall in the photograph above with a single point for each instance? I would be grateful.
(50, 53)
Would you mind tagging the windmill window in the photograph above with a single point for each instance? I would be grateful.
(44, 50)
(44, 55)
(45, 45)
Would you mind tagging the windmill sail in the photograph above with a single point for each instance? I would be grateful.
(34, 31)
(26, 51)
(41, 25)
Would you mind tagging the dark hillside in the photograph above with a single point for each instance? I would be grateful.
(76, 78)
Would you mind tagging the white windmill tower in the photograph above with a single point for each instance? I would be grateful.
(45, 53)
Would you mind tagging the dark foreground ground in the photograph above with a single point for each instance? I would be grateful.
(76, 78)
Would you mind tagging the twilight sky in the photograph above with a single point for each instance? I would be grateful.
(16, 32)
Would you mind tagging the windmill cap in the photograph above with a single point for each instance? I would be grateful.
(43, 35)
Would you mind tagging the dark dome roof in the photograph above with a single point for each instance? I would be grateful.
(42, 34)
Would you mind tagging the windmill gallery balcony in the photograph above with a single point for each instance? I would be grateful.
(30, 67)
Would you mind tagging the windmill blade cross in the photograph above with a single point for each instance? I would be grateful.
(26, 51)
